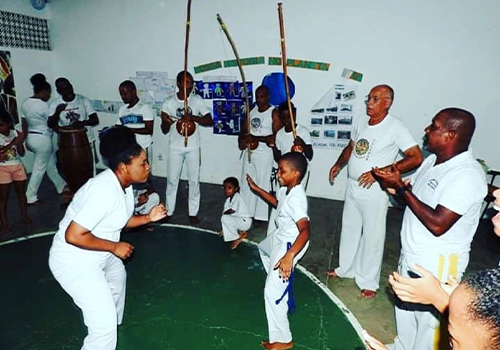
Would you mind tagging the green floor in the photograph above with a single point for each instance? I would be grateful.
(185, 290)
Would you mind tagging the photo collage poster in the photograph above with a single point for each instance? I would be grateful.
(332, 117)
(228, 101)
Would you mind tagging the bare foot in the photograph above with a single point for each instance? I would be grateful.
(237, 242)
(220, 233)
(368, 294)
(332, 274)
(276, 345)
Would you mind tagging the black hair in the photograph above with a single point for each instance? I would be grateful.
(264, 88)
(118, 145)
(283, 106)
(180, 76)
(233, 181)
(5, 117)
(462, 122)
(129, 85)
(62, 80)
(297, 161)
(485, 302)
(39, 83)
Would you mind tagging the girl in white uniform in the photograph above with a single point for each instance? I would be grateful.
(282, 249)
(35, 111)
(236, 216)
(85, 257)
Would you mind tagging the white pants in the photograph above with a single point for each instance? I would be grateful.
(363, 235)
(417, 325)
(176, 158)
(259, 170)
(271, 250)
(99, 291)
(45, 160)
(153, 201)
(232, 224)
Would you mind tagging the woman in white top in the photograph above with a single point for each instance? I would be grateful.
(39, 138)
(86, 253)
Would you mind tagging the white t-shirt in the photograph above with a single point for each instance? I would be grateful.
(377, 145)
(238, 204)
(36, 113)
(291, 208)
(175, 109)
(77, 110)
(458, 184)
(261, 124)
(284, 140)
(11, 155)
(134, 118)
(103, 208)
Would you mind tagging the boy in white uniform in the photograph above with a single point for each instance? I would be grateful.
(85, 256)
(172, 112)
(285, 143)
(441, 217)
(376, 140)
(281, 250)
(262, 119)
(235, 216)
(136, 115)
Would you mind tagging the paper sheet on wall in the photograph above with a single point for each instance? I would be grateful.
(153, 87)
(331, 117)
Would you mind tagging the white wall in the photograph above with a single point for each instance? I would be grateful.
(434, 54)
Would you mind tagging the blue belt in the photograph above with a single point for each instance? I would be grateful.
(289, 289)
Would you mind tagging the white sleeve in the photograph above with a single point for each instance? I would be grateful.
(88, 107)
(147, 113)
(165, 105)
(97, 204)
(201, 106)
(305, 135)
(463, 191)
(403, 138)
(297, 207)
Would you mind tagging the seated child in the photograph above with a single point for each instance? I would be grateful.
(282, 249)
(11, 169)
(145, 200)
(236, 216)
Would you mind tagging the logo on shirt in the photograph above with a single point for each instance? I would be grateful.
(433, 183)
(132, 119)
(256, 123)
(180, 112)
(72, 115)
(362, 146)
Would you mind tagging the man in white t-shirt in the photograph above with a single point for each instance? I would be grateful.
(376, 140)
(136, 115)
(443, 209)
(71, 109)
(172, 112)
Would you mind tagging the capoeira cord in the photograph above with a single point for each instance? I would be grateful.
(289, 289)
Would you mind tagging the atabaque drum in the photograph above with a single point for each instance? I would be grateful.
(74, 158)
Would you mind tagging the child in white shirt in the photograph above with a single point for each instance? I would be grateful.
(236, 218)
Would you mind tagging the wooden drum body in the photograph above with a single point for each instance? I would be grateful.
(74, 158)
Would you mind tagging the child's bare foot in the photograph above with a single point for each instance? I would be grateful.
(237, 242)
(276, 345)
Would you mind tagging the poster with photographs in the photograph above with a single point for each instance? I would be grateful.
(154, 87)
(228, 101)
(7, 91)
(331, 117)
